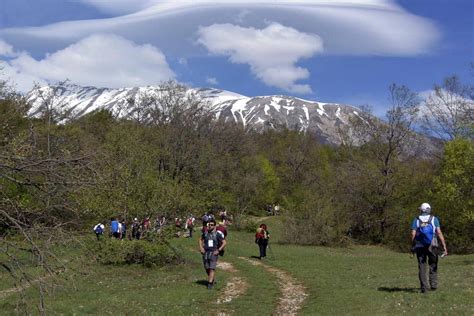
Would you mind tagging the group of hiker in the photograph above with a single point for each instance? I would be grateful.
(118, 228)
(427, 239)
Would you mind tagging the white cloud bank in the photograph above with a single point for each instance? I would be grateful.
(346, 27)
(271, 52)
(101, 60)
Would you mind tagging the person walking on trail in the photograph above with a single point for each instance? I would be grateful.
(136, 229)
(425, 231)
(114, 228)
(210, 244)
(99, 230)
(261, 239)
(190, 225)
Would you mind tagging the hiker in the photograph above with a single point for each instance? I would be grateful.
(99, 230)
(146, 224)
(162, 221)
(157, 224)
(210, 244)
(190, 226)
(261, 239)
(222, 230)
(425, 231)
(205, 219)
(276, 209)
(114, 228)
(221, 227)
(123, 230)
(136, 229)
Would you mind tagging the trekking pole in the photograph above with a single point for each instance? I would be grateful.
(271, 251)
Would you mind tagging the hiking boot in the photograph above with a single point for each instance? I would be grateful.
(209, 286)
(423, 291)
(433, 288)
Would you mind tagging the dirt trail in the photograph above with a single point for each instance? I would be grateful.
(235, 287)
(293, 293)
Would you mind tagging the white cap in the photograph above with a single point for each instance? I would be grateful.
(425, 208)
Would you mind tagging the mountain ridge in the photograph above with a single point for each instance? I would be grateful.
(324, 120)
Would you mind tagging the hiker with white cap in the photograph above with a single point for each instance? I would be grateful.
(136, 229)
(425, 231)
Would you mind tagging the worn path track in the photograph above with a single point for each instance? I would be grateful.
(293, 293)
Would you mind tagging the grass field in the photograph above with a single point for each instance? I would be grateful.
(348, 281)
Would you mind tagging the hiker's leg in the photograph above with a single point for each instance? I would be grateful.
(265, 246)
(433, 262)
(422, 267)
(211, 275)
(261, 247)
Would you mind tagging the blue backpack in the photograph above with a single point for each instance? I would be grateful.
(98, 229)
(425, 231)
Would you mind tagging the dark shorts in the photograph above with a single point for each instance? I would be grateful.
(209, 260)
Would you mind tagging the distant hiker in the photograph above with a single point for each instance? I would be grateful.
(136, 229)
(124, 230)
(177, 222)
(222, 230)
(261, 239)
(114, 228)
(190, 226)
(99, 230)
(424, 232)
(146, 224)
(157, 224)
(205, 219)
(221, 227)
(210, 244)
(269, 209)
(276, 209)
(162, 221)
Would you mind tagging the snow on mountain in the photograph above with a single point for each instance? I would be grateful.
(262, 112)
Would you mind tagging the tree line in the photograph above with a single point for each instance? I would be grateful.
(170, 156)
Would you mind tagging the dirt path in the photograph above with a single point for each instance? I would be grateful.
(293, 293)
(234, 288)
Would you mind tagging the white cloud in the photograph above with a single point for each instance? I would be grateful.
(6, 49)
(101, 60)
(120, 6)
(271, 52)
(349, 27)
(212, 81)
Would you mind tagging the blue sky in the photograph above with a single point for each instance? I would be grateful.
(346, 51)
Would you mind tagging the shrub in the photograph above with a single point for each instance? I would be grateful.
(149, 254)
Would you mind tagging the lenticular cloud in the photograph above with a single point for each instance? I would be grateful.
(356, 27)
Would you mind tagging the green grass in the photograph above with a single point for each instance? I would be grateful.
(349, 281)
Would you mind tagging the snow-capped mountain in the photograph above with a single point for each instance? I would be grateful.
(323, 119)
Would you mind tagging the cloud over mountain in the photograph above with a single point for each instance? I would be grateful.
(271, 52)
(101, 60)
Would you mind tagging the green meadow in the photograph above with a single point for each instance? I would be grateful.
(357, 280)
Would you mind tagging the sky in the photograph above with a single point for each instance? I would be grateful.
(345, 51)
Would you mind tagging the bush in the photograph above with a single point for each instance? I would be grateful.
(149, 254)
(244, 223)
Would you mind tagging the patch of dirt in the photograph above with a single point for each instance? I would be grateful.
(226, 266)
(233, 289)
(293, 293)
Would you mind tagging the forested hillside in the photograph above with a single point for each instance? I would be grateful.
(58, 175)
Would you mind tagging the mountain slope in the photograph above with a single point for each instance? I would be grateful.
(261, 112)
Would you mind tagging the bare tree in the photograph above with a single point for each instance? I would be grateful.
(449, 111)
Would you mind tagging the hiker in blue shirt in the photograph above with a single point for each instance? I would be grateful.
(425, 231)
(114, 228)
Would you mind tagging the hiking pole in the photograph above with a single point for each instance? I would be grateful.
(271, 251)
